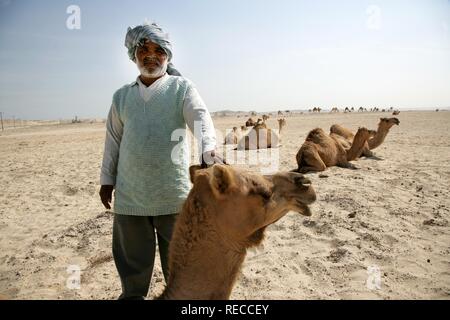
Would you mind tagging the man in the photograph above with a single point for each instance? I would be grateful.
(145, 162)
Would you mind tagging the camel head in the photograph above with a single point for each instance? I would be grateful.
(387, 123)
(244, 202)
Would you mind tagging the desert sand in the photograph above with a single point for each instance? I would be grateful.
(388, 220)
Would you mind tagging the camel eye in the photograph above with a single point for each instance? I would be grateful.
(265, 195)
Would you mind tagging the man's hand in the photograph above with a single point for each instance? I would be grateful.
(210, 157)
(106, 195)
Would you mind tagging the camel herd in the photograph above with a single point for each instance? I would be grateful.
(228, 209)
(361, 109)
(256, 135)
(320, 150)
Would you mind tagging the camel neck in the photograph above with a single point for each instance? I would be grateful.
(356, 148)
(202, 263)
(378, 138)
(209, 272)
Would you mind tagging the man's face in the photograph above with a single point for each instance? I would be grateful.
(151, 59)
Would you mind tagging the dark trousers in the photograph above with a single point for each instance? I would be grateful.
(134, 246)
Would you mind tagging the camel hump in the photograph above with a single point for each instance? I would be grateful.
(333, 128)
(314, 134)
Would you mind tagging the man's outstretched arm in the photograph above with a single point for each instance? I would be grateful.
(200, 123)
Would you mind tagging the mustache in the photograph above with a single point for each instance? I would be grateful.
(148, 60)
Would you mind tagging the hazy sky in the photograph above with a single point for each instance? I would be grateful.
(242, 55)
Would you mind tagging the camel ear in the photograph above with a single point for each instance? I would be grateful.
(222, 179)
(192, 170)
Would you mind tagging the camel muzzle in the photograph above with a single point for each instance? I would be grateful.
(301, 181)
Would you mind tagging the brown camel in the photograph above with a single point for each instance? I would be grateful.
(376, 139)
(225, 213)
(262, 137)
(320, 150)
(250, 122)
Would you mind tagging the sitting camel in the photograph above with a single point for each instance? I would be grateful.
(262, 137)
(225, 213)
(320, 150)
(233, 137)
(374, 141)
(250, 122)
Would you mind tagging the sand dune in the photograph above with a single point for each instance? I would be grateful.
(392, 216)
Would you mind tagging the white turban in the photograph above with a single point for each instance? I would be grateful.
(137, 35)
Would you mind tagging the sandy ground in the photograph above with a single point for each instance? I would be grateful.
(389, 220)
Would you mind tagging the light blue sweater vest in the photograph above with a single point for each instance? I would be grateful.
(153, 171)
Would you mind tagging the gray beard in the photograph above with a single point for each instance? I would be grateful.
(160, 71)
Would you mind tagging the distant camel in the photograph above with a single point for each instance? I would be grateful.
(233, 137)
(396, 112)
(376, 139)
(347, 110)
(320, 151)
(334, 109)
(226, 212)
(262, 137)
